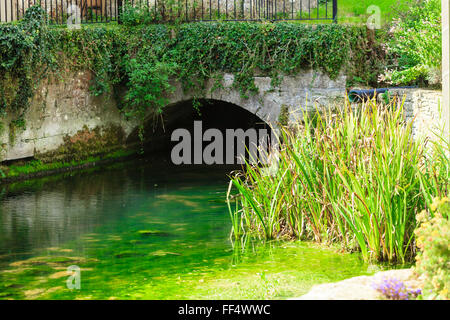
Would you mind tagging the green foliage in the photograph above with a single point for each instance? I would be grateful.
(416, 43)
(143, 58)
(97, 49)
(149, 82)
(147, 69)
(433, 240)
(135, 15)
(354, 177)
(435, 179)
(25, 56)
(201, 51)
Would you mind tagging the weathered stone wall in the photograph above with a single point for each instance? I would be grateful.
(63, 107)
(425, 107)
(303, 91)
(60, 107)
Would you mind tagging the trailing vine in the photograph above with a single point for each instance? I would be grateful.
(194, 53)
(143, 58)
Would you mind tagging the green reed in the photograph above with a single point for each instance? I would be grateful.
(353, 176)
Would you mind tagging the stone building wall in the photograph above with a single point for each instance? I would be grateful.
(62, 107)
(233, 9)
(168, 9)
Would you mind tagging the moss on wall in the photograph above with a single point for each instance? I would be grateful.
(86, 143)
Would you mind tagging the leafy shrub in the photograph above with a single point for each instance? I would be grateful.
(148, 81)
(435, 168)
(416, 44)
(197, 52)
(433, 240)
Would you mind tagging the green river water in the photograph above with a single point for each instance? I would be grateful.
(140, 231)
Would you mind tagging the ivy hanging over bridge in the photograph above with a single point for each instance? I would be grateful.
(143, 58)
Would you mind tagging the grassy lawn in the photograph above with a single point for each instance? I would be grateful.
(355, 11)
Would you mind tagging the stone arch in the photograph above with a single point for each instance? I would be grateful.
(293, 94)
(65, 117)
(260, 104)
(180, 113)
(306, 89)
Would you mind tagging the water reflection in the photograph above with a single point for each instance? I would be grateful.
(39, 215)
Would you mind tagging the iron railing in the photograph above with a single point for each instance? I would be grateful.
(100, 11)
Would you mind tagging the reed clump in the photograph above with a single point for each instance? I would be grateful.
(350, 176)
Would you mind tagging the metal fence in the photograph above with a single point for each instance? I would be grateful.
(60, 11)
(100, 11)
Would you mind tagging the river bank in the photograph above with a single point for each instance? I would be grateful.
(363, 287)
(31, 169)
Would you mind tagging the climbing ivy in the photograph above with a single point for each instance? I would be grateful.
(194, 53)
(143, 58)
(25, 56)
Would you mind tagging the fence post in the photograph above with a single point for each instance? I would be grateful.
(119, 11)
(335, 9)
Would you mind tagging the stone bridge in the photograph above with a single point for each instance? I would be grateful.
(61, 108)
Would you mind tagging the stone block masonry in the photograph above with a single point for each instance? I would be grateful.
(425, 107)
(63, 106)
(59, 108)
